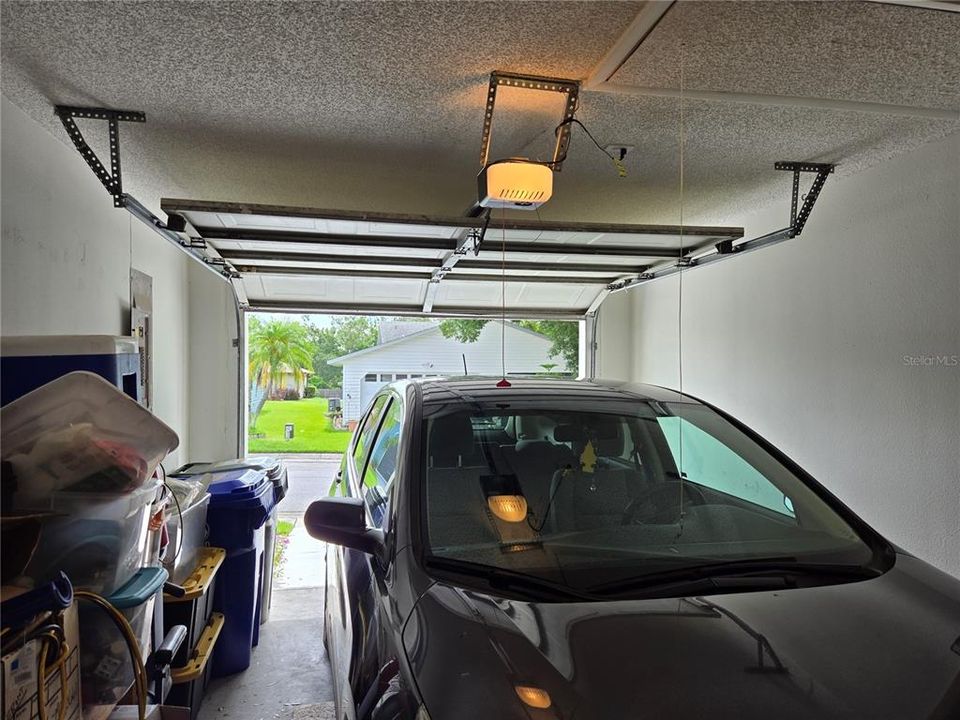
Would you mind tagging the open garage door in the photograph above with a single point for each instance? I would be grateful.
(333, 261)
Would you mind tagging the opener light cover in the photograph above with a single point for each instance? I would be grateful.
(509, 508)
(515, 184)
(533, 696)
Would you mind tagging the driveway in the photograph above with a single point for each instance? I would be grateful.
(310, 477)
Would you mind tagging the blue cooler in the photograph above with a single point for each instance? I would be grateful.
(28, 362)
(240, 504)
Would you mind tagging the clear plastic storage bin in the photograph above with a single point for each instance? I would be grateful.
(80, 433)
(99, 541)
(106, 670)
(186, 539)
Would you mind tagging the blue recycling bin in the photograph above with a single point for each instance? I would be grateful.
(240, 504)
(277, 473)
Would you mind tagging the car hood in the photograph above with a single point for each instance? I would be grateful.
(887, 647)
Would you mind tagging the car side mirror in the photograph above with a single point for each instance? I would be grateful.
(342, 521)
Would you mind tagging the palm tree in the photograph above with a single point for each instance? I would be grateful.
(277, 347)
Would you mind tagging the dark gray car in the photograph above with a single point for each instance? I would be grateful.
(562, 549)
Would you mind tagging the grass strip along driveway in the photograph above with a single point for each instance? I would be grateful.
(313, 432)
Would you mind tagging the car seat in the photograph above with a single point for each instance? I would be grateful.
(595, 494)
(456, 507)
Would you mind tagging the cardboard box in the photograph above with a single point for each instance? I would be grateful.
(21, 675)
(154, 712)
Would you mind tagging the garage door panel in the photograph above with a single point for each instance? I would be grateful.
(339, 290)
(599, 276)
(495, 235)
(303, 259)
(301, 287)
(225, 247)
(492, 256)
(253, 286)
(537, 295)
(518, 295)
(408, 264)
(407, 291)
(237, 221)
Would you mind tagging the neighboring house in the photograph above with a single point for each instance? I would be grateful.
(417, 349)
(289, 381)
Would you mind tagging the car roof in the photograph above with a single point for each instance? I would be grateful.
(480, 389)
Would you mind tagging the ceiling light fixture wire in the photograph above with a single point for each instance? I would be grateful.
(617, 162)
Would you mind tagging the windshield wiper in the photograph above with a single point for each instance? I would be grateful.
(504, 579)
(733, 574)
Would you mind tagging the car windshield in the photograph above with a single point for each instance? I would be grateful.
(587, 499)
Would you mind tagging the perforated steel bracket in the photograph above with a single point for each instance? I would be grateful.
(570, 88)
(112, 180)
(798, 218)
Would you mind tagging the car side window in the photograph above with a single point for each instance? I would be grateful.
(340, 485)
(709, 462)
(379, 472)
(366, 433)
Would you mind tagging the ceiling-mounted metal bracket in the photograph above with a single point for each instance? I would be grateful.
(570, 88)
(726, 247)
(112, 180)
(478, 236)
(798, 218)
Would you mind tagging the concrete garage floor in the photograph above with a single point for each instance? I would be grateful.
(289, 676)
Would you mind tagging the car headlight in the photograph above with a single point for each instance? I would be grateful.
(422, 713)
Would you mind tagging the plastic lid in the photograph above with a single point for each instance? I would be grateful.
(235, 482)
(270, 464)
(34, 345)
(140, 588)
(84, 405)
(260, 497)
(267, 462)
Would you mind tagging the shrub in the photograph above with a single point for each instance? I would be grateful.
(291, 394)
(309, 391)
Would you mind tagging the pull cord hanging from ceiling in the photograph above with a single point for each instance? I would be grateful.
(682, 141)
(504, 383)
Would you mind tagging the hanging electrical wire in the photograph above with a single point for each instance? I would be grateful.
(617, 162)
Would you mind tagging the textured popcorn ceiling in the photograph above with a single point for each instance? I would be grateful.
(379, 105)
(838, 50)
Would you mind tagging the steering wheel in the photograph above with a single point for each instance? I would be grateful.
(657, 504)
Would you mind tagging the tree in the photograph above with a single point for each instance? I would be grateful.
(466, 331)
(277, 346)
(346, 334)
(564, 335)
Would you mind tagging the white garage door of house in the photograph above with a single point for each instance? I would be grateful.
(310, 260)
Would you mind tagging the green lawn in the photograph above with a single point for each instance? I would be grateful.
(312, 429)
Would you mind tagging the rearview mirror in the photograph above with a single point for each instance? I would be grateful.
(342, 521)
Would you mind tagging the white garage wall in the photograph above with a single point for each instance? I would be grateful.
(66, 257)
(811, 343)
(213, 368)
